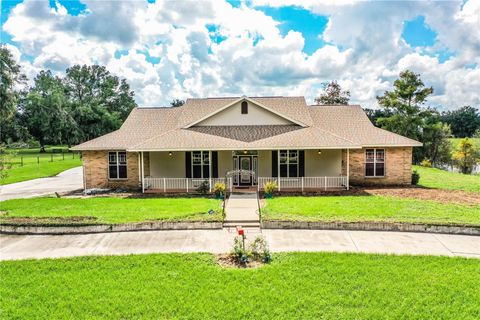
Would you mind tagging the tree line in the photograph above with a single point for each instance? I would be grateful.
(82, 104)
(403, 111)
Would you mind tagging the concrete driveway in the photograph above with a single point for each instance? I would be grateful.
(14, 247)
(68, 180)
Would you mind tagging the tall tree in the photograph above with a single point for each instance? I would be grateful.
(333, 94)
(10, 75)
(99, 102)
(44, 109)
(177, 103)
(464, 121)
(375, 114)
(405, 101)
(435, 137)
(466, 155)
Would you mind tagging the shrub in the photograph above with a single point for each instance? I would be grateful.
(239, 250)
(415, 177)
(426, 163)
(257, 251)
(269, 187)
(203, 187)
(219, 189)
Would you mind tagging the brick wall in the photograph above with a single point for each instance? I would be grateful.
(398, 167)
(95, 164)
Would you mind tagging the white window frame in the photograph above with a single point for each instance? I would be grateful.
(375, 163)
(203, 155)
(297, 163)
(118, 164)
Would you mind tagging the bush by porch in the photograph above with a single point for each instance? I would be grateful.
(109, 210)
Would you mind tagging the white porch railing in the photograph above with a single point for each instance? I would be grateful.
(182, 184)
(303, 183)
(300, 183)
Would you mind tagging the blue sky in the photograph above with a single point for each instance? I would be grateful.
(181, 49)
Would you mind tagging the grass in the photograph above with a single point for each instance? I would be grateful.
(369, 208)
(192, 286)
(456, 141)
(42, 170)
(39, 165)
(111, 210)
(441, 179)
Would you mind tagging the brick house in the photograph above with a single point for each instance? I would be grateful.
(245, 142)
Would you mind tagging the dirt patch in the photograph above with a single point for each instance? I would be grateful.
(442, 196)
(229, 261)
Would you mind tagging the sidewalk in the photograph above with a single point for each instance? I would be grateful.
(242, 208)
(68, 180)
(221, 241)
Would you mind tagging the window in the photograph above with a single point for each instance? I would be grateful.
(375, 162)
(200, 164)
(117, 165)
(244, 107)
(288, 163)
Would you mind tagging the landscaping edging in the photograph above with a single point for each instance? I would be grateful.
(102, 228)
(372, 226)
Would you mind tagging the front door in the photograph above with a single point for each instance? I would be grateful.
(245, 164)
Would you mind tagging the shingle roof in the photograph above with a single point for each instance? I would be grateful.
(352, 123)
(246, 133)
(149, 129)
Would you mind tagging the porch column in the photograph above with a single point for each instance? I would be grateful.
(210, 170)
(348, 169)
(142, 171)
(278, 169)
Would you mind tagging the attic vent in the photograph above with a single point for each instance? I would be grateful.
(244, 107)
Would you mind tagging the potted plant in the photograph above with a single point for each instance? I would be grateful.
(269, 187)
(219, 190)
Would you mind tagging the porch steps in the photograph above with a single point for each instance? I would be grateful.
(241, 223)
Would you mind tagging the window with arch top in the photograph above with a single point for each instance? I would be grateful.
(244, 107)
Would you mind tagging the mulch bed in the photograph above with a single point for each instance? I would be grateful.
(442, 196)
(439, 195)
(228, 261)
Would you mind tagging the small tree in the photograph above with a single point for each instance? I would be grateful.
(333, 94)
(466, 156)
(177, 103)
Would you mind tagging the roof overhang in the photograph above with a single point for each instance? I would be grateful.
(243, 148)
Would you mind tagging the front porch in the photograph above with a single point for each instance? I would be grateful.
(291, 170)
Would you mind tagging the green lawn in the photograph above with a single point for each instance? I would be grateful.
(369, 208)
(112, 210)
(441, 179)
(456, 141)
(42, 170)
(192, 286)
(39, 165)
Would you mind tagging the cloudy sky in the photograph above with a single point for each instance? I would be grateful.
(181, 49)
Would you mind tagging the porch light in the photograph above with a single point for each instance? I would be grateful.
(170, 153)
(319, 152)
(245, 151)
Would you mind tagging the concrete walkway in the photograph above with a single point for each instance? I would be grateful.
(68, 180)
(221, 241)
(242, 208)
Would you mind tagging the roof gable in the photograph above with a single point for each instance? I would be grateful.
(263, 114)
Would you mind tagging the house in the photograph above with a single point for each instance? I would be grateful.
(245, 142)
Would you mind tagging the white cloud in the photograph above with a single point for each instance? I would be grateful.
(365, 51)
